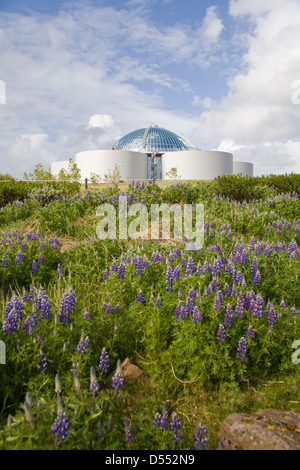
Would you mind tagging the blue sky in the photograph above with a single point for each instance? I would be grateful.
(79, 75)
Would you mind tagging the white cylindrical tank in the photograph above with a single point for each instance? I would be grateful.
(132, 165)
(57, 166)
(243, 168)
(197, 164)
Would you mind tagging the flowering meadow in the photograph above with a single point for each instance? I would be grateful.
(213, 329)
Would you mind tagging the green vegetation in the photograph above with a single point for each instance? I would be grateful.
(213, 329)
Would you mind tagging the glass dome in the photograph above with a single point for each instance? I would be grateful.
(153, 139)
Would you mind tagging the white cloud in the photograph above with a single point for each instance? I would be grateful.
(212, 26)
(100, 120)
(259, 106)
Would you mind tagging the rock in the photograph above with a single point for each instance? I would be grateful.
(130, 371)
(263, 430)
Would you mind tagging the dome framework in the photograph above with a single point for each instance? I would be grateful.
(153, 140)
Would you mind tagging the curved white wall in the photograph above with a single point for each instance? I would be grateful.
(245, 168)
(132, 165)
(57, 166)
(197, 164)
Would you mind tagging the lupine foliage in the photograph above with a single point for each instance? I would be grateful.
(222, 316)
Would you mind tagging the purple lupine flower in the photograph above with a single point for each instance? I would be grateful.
(250, 332)
(59, 271)
(42, 245)
(175, 426)
(257, 306)
(190, 268)
(16, 304)
(254, 267)
(282, 303)
(94, 385)
(293, 310)
(10, 322)
(83, 344)
(118, 380)
(292, 250)
(128, 435)
(272, 317)
(118, 307)
(19, 257)
(251, 243)
(75, 369)
(4, 262)
(221, 334)
(40, 259)
(239, 309)
(257, 278)
(196, 317)
(242, 348)
(105, 274)
(61, 426)
(121, 271)
(157, 420)
(228, 318)
(104, 361)
(34, 268)
(158, 302)
(140, 297)
(86, 314)
(23, 246)
(217, 300)
(200, 437)
(178, 309)
(114, 266)
(42, 363)
(67, 305)
(226, 290)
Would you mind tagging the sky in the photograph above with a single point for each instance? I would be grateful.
(78, 75)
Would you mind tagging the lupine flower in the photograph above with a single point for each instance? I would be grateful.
(4, 262)
(105, 274)
(157, 420)
(140, 297)
(251, 332)
(221, 334)
(83, 344)
(293, 310)
(40, 259)
(158, 302)
(34, 268)
(86, 314)
(118, 380)
(292, 250)
(128, 435)
(94, 385)
(239, 309)
(42, 363)
(272, 317)
(61, 426)
(121, 271)
(257, 278)
(75, 369)
(190, 268)
(66, 306)
(282, 303)
(19, 257)
(10, 322)
(200, 437)
(104, 361)
(242, 348)
(59, 270)
(175, 426)
(196, 316)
